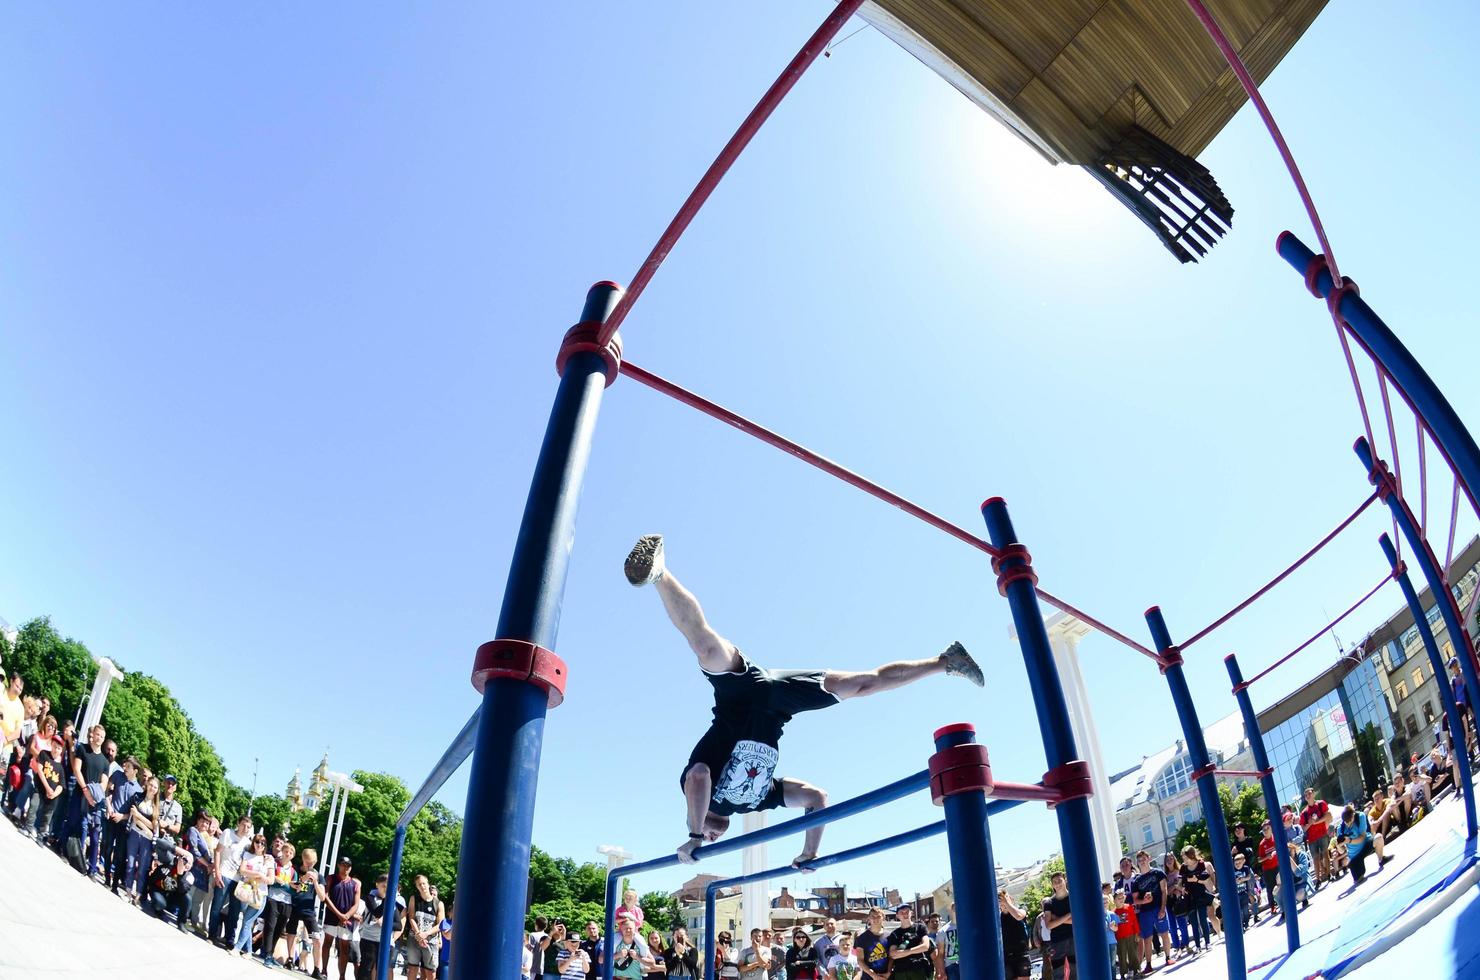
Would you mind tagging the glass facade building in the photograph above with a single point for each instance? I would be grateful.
(1341, 742)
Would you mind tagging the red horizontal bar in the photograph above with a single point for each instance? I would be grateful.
(1253, 773)
(1322, 632)
(1025, 791)
(784, 83)
(1280, 577)
(715, 410)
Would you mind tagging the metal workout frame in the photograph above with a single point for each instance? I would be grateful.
(520, 677)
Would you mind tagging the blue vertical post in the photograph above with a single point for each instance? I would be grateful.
(609, 927)
(1015, 581)
(1442, 421)
(1271, 802)
(1423, 557)
(499, 815)
(1207, 790)
(387, 918)
(709, 934)
(969, 843)
(1436, 662)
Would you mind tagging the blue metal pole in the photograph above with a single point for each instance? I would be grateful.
(1271, 802)
(1423, 556)
(973, 872)
(387, 920)
(1207, 789)
(609, 926)
(499, 815)
(1436, 663)
(710, 932)
(1443, 422)
(1075, 830)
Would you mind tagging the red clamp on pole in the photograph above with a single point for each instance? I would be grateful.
(1007, 576)
(960, 769)
(1070, 781)
(1313, 270)
(1382, 479)
(521, 661)
(1169, 658)
(1241, 686)
(1206, 770)
(584, 338)
(1339, 291)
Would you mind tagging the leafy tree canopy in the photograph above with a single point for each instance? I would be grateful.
(1034, 895)
(56, 667)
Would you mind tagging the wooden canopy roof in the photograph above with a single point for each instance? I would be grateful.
(1073, 77)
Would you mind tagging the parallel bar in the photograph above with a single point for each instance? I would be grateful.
(499, 815)
(1423, 557)
(896, 790)
(456, 754)
(790, 75)
(1207, 788)
(1423, 482)
(1271, 801)
(1241, 773)
(853, 853)
(1076, 832)
(1450, 435)
(717, 411)
(1321, 632)
(1281, 576)
(1441, 678)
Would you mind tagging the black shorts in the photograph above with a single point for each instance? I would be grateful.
(1018, 965)
(780, 692)
(1060, 950)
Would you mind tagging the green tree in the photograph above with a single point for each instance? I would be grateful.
(433, 841)
(546, 881)
(57, 668)
(1245, 807)
(588, 883)
(660, 911)
(574, 914)
(270, 813)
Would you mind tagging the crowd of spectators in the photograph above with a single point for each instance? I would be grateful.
(248, 891)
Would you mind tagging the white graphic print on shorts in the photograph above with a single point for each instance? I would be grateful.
(747, 776)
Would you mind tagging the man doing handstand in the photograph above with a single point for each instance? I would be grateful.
(733, 767)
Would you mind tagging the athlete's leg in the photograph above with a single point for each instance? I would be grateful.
(796, 793)
(856, 684)
(716, 654)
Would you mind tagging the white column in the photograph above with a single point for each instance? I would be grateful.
(753, 896)
(107, 674)
(1064, 634)
(328, 832)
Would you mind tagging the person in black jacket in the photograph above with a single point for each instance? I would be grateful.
(682, 956)
(167, 890)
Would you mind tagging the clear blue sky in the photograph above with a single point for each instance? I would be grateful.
(281, 289)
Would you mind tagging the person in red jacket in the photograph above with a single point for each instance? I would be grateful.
(1315, 820)
(1269, 864)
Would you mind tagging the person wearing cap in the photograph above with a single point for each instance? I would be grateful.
(910, 953)
(344, 900)
(171, 814)
(167, 890)
(572, 960)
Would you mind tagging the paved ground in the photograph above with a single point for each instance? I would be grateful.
(57, 925)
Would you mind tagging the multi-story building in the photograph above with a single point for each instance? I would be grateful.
(1345, 731)
(1156, 798)
(728, 915)
(1417, 705)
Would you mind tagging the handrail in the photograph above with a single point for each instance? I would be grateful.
(457, 753)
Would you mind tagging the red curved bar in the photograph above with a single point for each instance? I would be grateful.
(794, 70)
(1322, 632)
(716, 411)
(1281, 576)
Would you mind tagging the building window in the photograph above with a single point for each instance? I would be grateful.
(1428, 712)
(1402, 689)
(1147, 834)
(1174, 778)
(1417, 678)
(1393, 654)
(1412, 724)
(1188, 814)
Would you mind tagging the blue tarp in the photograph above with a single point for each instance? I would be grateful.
(1371, 922)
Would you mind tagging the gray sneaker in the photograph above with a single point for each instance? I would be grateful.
(959, 663)
(644, 564)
